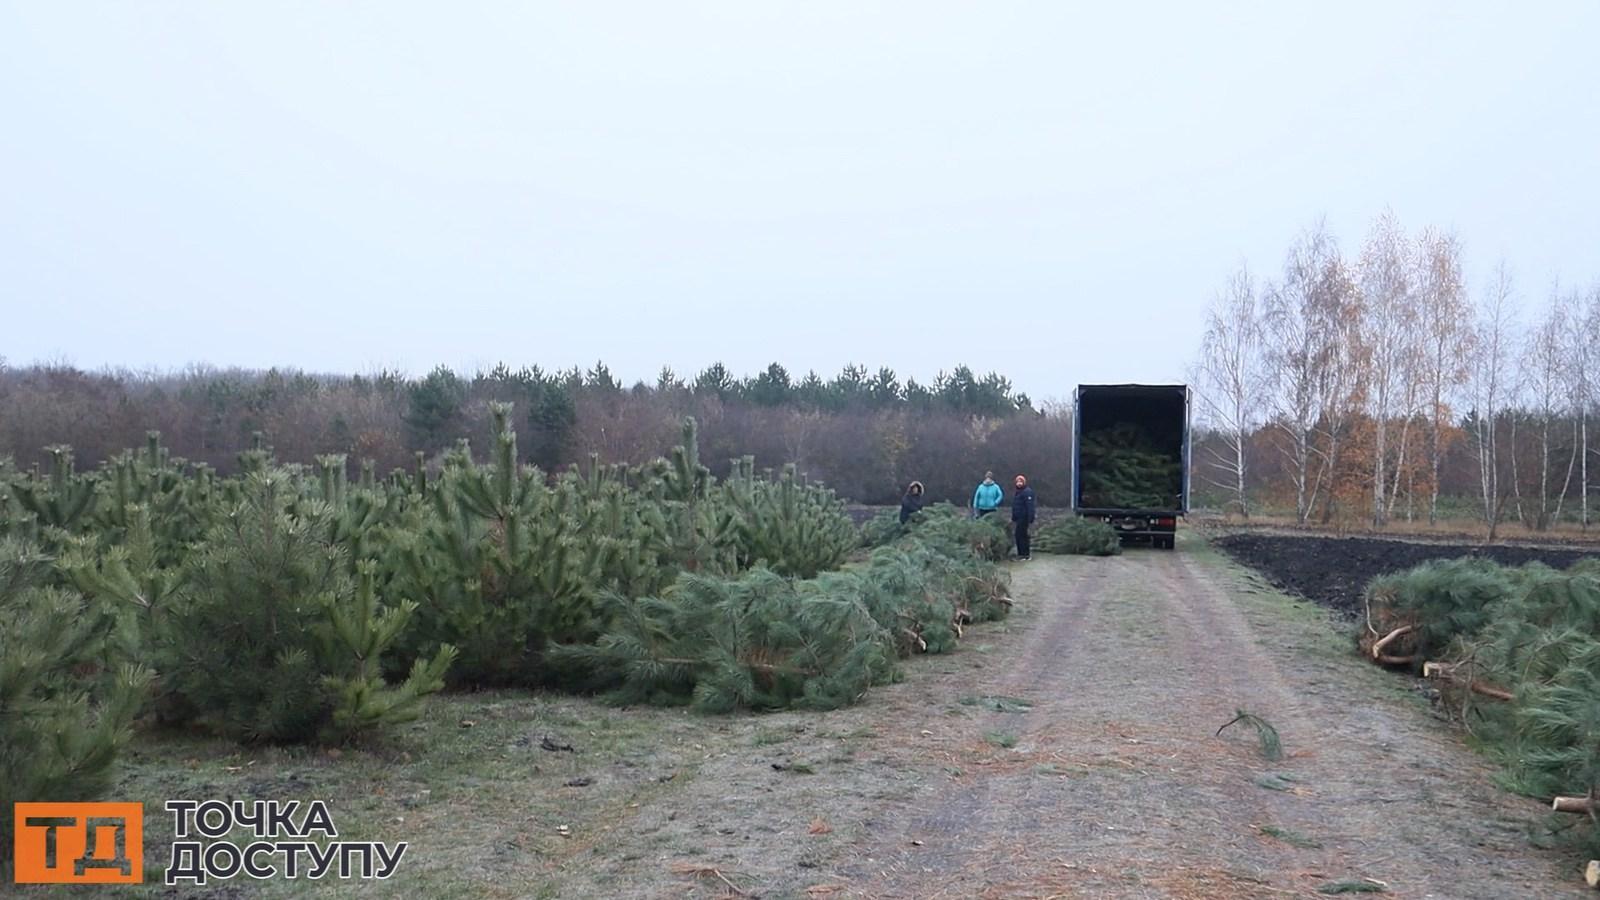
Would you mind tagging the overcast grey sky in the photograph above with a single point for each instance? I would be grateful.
(1053, 190)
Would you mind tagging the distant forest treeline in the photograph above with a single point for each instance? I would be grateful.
(863, 433)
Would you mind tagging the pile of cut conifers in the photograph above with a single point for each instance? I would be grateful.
(1516, 651)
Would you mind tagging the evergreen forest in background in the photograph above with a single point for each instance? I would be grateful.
(865, 434)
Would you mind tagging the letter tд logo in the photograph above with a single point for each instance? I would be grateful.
(79, 843)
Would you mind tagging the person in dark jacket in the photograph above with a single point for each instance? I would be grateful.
(911, 502)
(1023, 512)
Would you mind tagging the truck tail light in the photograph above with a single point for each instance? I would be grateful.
(1167, 523)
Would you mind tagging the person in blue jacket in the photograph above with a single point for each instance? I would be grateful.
(986, 499)
(1023, 512)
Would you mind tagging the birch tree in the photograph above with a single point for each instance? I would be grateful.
(1493, 338)
(1446, 334)
(1231, 378)
(1389, 324)
(1297, 355)
(1545, 369)
(1342, 377)
(1574, 357)
(1585, 346)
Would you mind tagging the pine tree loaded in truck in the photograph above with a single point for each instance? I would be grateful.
(1130, 456)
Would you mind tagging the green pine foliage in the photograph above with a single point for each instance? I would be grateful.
(177, 501)
(433, 405)
(64, 715)
(923, 594)
(131, 581)
(1123, 469)
(1440, 600)
(699, 530)
(788, 525)
(290, 603)
(63, 500)
(507, 565)
(758, 641)
(763, 641)
(269, 638)
(954, 532)
(496, 568)
(1532, 632)
(1266, 734)
(883, 528)
(1074, 535)
(623, 530)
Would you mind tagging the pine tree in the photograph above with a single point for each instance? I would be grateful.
(622, 531)
(700, 533)
(1123, 469)
(788, 525)
(496, 568)
(771, 388)
(1536, 644)
(759, 641)
(65, 500)
(365, 629)
(268, 638)
(179, 504)
(60, 729)
(552, 416)
(1438, 602)
(1079, 536)
(433, 406)
(762, 641)
(130, 582)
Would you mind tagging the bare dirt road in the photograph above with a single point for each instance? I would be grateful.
(1074, 753)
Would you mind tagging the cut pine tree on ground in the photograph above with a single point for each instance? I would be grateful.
(1513, 652)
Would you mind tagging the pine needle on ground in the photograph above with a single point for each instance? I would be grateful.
(1271, 746)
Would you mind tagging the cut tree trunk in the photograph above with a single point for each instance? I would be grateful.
(1583, 805)
(1591, 873)
(1386, 640)
(1447, 672)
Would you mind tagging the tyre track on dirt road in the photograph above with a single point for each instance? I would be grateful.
(977, 805)
(1117, 785)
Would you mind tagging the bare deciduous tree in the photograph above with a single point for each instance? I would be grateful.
(1546, 368)
(1447, 333)
(1230, 379)
(1389, 323)
(1585, 346)
(1297, 356)
(1494, 336)
(1343, 378)
(1313, 360)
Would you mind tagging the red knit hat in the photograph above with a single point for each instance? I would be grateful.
(1022, 480)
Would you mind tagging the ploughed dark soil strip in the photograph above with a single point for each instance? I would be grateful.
(1333, 571)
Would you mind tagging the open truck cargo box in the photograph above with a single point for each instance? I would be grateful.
(1130, 458)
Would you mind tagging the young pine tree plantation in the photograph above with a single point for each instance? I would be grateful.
(293, 604)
